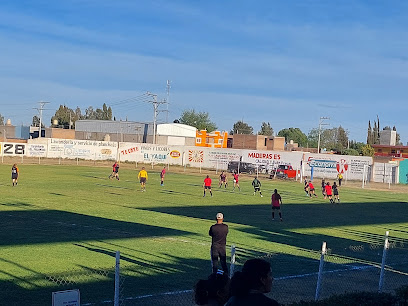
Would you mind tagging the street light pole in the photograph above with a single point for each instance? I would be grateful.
(320, 130)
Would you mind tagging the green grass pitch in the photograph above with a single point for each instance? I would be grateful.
(64, 224)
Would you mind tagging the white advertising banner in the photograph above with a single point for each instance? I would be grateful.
(272, 159)
(36, 150)
(329, 165)
(13, 149)
(85, 149)
(148, 153)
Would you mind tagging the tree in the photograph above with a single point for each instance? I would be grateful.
(356, 145)
(64, 115)
(335, 139)
(367, 150)
(240, 127)
(36, 121)
(1, 120)
(294, 134)
(266, 129)
(200, 120)
(369, 134)
(351, 152)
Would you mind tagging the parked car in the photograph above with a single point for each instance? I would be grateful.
(283, 171)
(245, 167)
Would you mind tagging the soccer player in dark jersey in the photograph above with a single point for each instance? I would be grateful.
(329, 192)
(115, 171)
(236, 181)
(323, 188)
(162, 174)
(312, 189)
(219, 232)
(257, 186)
(336, 192)
(223, 180)
(14, 174)
(276, 202)
(207, 185)
(306, 187)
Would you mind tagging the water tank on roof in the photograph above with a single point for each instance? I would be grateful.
(55, 122)
(8, 122)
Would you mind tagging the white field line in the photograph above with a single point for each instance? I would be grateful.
(349, 268)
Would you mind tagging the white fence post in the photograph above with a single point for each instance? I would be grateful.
(364, 175)
(77, 161)
(232, 264)
(117, 273)
(319, 276)
(39, 160)
(386, 247)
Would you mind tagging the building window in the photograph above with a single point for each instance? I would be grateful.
(379, 150)
(265, 141)
(198, 140)
(392, 151)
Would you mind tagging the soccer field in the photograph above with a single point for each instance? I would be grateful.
(61, 227)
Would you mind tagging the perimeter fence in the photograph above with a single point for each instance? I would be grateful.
(313, 275)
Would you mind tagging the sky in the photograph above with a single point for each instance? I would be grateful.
(283, 62)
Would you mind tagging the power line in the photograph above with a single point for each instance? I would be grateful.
(320, 129)
(40, 110)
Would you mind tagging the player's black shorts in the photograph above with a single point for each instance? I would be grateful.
(336, 193)
(276, 207)
(14, 176)
(312, 189)
(142, 180)
(207, 187)
(257, 188)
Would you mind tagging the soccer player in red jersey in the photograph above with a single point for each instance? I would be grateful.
(329, 192)
(115, 170)
(312, 189)
(162, 174)
(207, 185)
(236, 181)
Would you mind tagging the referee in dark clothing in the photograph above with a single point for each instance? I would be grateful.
(219, 232)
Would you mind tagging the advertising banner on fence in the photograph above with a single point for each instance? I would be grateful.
(84, 149)
(148, 153)
(272, 159)
(329, 165)
(13, 149)
(36, 150)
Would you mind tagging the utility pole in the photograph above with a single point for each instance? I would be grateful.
(320, 130)
(40, 110)
(168, 100)
(156, 105)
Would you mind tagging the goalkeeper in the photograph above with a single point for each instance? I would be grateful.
(257, 186)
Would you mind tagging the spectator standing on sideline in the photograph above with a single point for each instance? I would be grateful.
(249, 285)
(207, 185)
(257, 186)
(276, 202)
(162, 174)
(213, 291)
(236, 181)
(335, 193)
(223, 180)
(219, 232)
(142, 176)
(340, 178)
(14, 174)
(115, 171)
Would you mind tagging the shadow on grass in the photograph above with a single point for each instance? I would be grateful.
(49, 226)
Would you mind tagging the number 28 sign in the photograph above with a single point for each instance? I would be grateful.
(13, 149)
